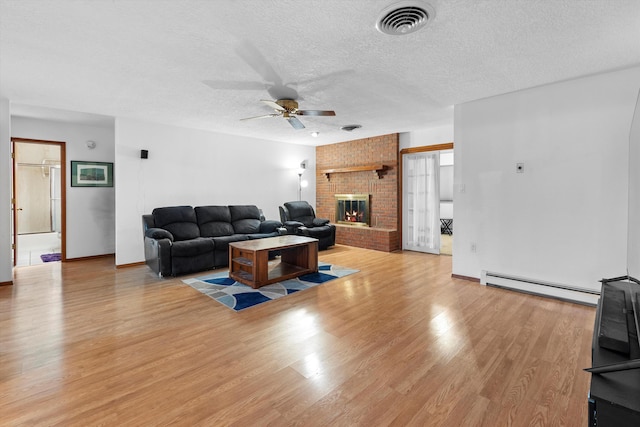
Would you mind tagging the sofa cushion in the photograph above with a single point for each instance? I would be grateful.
(180, 221)
(246, 226)
(301, 211)
(262, 235)
(317, 232)
(214, 221)
(192, 255)
(245, 219)
(193, 247)
(270, 226)
(222, 242)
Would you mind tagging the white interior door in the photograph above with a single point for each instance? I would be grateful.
(421, 204)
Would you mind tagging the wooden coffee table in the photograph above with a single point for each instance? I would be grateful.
(249, 259)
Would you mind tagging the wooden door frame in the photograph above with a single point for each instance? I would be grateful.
(412, 150)
(63, 194)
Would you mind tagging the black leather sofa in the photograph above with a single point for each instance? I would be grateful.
(183, 239)
(299, 217)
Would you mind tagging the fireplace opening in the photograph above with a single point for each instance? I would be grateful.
(353, 209)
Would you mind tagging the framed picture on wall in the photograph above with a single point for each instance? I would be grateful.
(91, 174)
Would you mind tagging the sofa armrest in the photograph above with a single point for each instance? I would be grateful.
(293, 226)
(158, 233)
(157, 255)
(319, 222)
(269, 226)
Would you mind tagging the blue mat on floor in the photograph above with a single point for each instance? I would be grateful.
(237, 296)
(50, 257)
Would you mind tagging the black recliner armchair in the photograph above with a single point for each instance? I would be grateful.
(300, 218)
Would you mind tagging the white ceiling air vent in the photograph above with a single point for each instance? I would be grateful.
(405, 17)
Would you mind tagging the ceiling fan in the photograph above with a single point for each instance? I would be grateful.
(288, 108)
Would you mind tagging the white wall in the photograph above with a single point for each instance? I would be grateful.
(431, 136)
(6, 268)
(90, 210)
(564, 219)
(193, 167)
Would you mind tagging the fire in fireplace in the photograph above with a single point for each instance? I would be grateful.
(352, 209)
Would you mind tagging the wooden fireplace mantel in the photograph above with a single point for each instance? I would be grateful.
(377, 168)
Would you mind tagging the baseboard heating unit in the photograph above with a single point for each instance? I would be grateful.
(537, 287)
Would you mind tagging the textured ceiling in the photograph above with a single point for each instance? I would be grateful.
(206, 64)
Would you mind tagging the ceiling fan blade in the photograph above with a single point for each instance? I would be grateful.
(293, 121)
(273, 104)
(315, 113)
(234, 85)
(262, 117)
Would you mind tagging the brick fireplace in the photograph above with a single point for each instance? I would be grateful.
(366, 166)
(353, 209)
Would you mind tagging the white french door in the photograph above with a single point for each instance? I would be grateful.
(421, 213)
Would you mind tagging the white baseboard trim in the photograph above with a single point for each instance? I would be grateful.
(537, 287)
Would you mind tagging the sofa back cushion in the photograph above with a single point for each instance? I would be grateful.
(180, 221)
(245, 219)
(301, 211)
(214, 221)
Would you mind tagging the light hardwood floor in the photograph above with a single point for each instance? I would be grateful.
(399, 343)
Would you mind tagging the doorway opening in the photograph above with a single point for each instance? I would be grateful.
(446, 202)
(421, 216)
(38, 201)
(427, 199)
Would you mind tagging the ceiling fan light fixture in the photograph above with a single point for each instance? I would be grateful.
(350, 128)
(288, 109)
(405, 17)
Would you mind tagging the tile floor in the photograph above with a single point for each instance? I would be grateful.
(446, 244)
(31, 246)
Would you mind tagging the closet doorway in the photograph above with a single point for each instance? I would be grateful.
(427, 199)
(38, 201)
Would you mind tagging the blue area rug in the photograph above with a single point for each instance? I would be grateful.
(237, 296)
